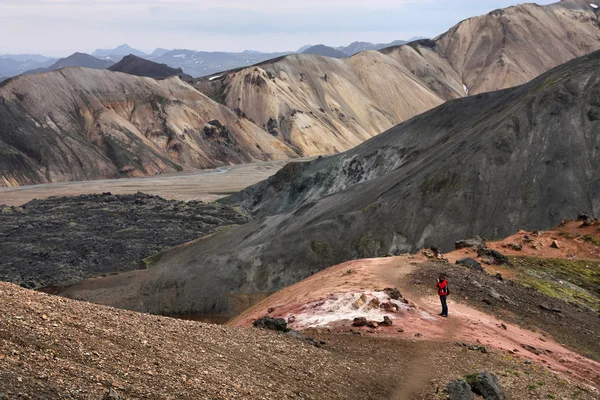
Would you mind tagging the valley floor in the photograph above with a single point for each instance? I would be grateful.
(204, 185)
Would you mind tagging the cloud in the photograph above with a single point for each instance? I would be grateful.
(62, 26)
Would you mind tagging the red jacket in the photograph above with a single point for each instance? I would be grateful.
(442, 287)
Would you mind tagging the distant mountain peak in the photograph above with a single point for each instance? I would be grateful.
(121, 50)
(134, 65)
(322, 50)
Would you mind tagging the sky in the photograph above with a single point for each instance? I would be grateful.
(61, 27)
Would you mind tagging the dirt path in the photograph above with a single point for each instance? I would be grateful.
(472, 326)
(325, 301)
(206, 185)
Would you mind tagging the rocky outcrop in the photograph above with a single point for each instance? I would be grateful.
(487, 386)
(274, 324)
(459, 390)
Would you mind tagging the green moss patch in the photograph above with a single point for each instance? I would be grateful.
(569, 280)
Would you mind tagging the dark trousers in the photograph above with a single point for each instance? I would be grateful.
(444, 306)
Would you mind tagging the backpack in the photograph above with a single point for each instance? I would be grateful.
(446, 290)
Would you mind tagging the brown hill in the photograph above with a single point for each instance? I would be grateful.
(321, 105)
(62, 349)
(78, 124)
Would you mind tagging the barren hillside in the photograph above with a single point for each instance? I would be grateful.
(521, 158)
(78, 124)
(324, 105)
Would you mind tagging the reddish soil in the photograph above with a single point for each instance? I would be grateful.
(515, 327)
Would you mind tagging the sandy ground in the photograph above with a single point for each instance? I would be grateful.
(206, 185)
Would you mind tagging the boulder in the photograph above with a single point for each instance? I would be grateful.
(459, 390)
(496, 256)
(555, 244)
(487, 386)
(387, 321)
(389, 307)
(589, 222)
(274, 324)
(359, 321)
(393, 293)
(474, 243)
(469, 262)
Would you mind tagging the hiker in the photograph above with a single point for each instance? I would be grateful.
(443, 291)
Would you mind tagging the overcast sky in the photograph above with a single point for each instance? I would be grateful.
(61, 27)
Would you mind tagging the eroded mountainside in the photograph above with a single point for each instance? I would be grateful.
(323, 105)
(78, 124)
(521, 158)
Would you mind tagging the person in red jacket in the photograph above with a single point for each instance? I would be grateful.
(443, 291)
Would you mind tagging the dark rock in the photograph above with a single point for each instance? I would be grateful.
(487, 301)
(546, 307)
(272, 127)
(274, 324)
(393, 293)
(386, 321)
(359, 321)
(488, 386)
(498, 276)
(469, 262)
(112, 395)
(531, 349)
(473, 347)
(516, 246)
(389, 307)
(436, 250)
(459, 390)
(589, 222)
(474, 243)
(496, 256)
(555, 244)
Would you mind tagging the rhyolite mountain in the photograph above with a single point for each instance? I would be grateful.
(322, 105)
(134, 65)
(75, 60)
(299, 104)
(79, 124)
(521, 158)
